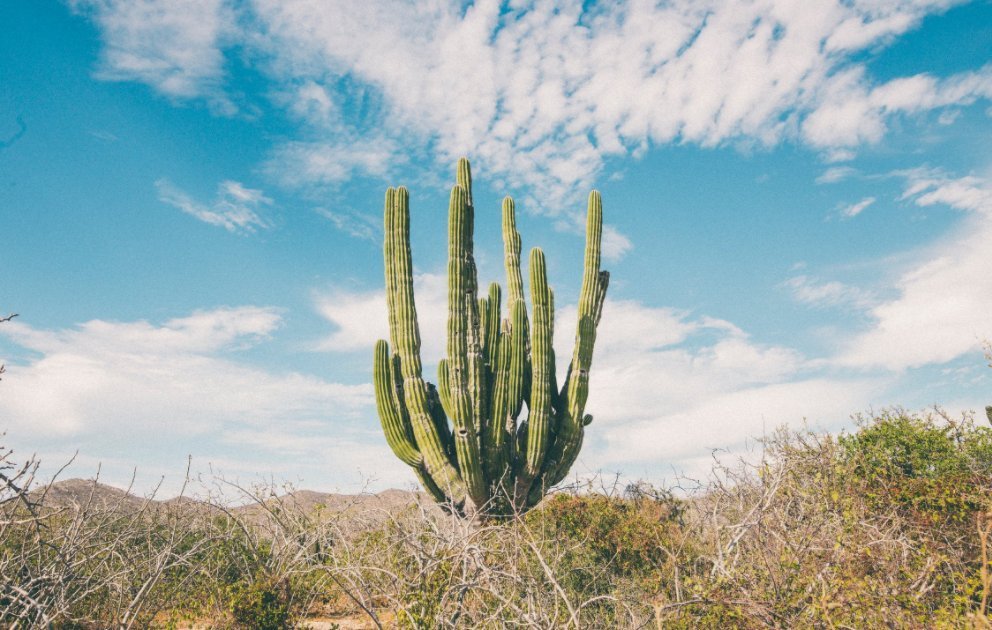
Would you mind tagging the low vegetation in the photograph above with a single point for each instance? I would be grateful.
(885, 526)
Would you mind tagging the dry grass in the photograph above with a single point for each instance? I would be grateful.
(886, 527)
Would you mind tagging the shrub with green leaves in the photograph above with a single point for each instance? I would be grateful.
(261, 604)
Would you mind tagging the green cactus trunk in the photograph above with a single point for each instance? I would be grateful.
(489, 461)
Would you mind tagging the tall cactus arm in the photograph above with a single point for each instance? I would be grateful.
(511, 252)
(539, 417)
(444, 387)
(436, 410)
(403, 317)
(398, 433)
(590, 274)
(555, 396)
(514, 281)
(604, 283)
(459, 320)
(594, 284)
(463, 178)
(477, 370)
(492, 324)
(389, 265)
(392, 413)
(484, 328)
(501, 426)
(517, 307)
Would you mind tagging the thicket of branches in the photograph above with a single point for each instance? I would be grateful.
(886, 526)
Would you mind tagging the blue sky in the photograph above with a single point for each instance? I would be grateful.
(798, 198)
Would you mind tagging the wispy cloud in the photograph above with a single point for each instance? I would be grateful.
(330, 161)
(601, 81)
(836, 174)
(102, 135)
(941, 310)
(813, 292)
(104, 375)
(852, 210)
(353, 224)
(235, 208)
(614, 244)
(927, 187)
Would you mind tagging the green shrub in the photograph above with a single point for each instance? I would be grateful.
(933, 470)
(613, 543)
(261, 605)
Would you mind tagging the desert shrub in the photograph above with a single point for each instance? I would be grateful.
(935, 471)
(612, 537)
(261, 604)
(878, 527)
(875, 528)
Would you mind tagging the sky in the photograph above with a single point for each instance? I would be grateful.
(797, 199)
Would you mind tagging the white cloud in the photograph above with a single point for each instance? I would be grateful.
(927, 187)
(236, 208)
(854, 209)
(539, 94)
(614, 244)
(105, 377)
(353, 224)
(590, 83)
(853, 112)
(330, 161)
(666, 387)
(312, 103)
(942, 308)
(726, 420)
(948, 116)
(139, 394)
(172, 45)
(836, 174)
(813, 292)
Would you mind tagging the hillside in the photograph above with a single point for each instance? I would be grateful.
(74, 493)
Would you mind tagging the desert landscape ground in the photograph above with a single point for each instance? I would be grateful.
(886, 526)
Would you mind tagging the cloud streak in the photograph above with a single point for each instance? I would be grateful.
(854, 209)
(813, 292)
(235, 208)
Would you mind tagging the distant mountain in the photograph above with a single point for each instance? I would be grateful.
(82, 492)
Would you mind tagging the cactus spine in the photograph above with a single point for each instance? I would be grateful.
(489, 461)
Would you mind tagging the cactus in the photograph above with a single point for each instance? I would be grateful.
(467, 439)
